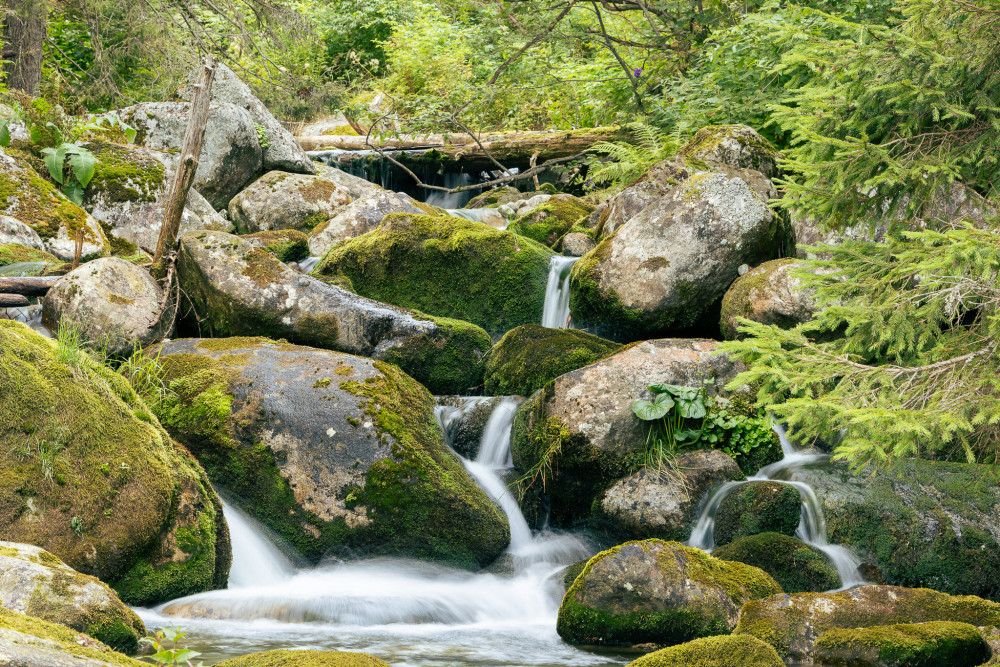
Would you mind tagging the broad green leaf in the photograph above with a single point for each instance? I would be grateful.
(83, 164)
(74, 192)
(4, 133)
(186, 654)
(54, 158)
(691, 409)
(655, 409)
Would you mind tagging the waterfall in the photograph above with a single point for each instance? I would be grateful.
(30, 315)
(555, 314)
(812, 524)
(258, 561)
(487, 216)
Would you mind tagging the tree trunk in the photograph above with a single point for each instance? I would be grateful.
(23, 40)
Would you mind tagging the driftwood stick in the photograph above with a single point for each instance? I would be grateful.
(13, 301)
(27, 286)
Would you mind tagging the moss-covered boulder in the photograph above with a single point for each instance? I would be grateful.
(549, 222)
(657, 592)
(794, 564)
(34, 582)
(88, 473)
(758, 507)
(26, 641)
(304, 659)
(448, 267)
(904, 645)
(365, 213)
(279, 200)
(734, 145)
(530, 355)
(792, 623)
(770, 294)
(991, 635)
(15, 253)
(15, 232)
(238, 289)
(495, 197)
(34, 201)
(338, 454)
(719, 651)
(581, 427)
(668, 267)
(287, 245)
(929, 524)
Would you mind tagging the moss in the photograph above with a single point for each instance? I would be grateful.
(69, 641)
(287, 245)
(528, 357)
(552, 220)
(446, 267)
(758, 507)
(719, 651)
(905, 645)
(34, 201)
(737, 301)
(496, 197)
(763, 156)
(304, 659)
(262, 267)
(123, 174)
(13, 253)
(795, 565)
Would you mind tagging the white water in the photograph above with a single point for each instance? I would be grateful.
(487, 216)
(30, 315)
(812, 524)
(555, 314)
(308, 264)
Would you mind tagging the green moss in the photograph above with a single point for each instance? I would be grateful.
(758, 507)
(287, 245)
(446, 267)
(495, 197)
(12, 253)
(68, 640)
(528, 357)
(762, 156)
(262, 267)
(552, 220)
(719, 651)
(737, 301)
(304, 659)
(446, 362)
(123, 174)
(34, 201)
(905, 645)
(795, 565)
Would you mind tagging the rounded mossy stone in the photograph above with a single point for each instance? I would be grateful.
(794, 564)
(446, 267)
(552, 220)
(719, 651)
(930, 644)
(531, 355)
(39, 642)
(36, 202)
(287, 245)
(658, 592)
(738, 299)
(758, 507)
(292, 658)
(14, 253)
(495, 197)
(123, 174)
(120, 499)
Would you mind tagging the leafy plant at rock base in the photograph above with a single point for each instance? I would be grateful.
(175, 654)
(629, 160)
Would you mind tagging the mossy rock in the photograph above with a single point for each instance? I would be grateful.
(720, 651)
(657, 592)
(929, 644)
(287, 658)
(338, 454)
(287, 245)
(15, 253)
(496, 197)
(88, 473)
(794, 564)
(769, 294)
(465, 433)
(758, 507)
(529, 356)
(31, 641)
(549, 222)
(447, 267)
(734, 145)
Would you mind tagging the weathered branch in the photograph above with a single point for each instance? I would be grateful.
(13, 301)
(607, 42)
(27, 286)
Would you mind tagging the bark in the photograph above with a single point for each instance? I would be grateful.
(23, 41)
(27, 286)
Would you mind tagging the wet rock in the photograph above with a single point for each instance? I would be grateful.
(279, 200)
(551, 219)
(238, 289)
(916, 644)
(287, 245)
(304, 659)
(495, 197)
(793, 623)
(115, 305)
(720, 651)
(769, 294)
(576, 244)
(734, 145)
(465, 435)
(795, 565)
(26, 641)
(15, 253)
(654, 504)
(15, 231)
(658, 592)
(34, 582)
(362, 215)
(338, 454)
(758, 507)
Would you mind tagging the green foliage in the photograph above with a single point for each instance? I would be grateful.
(629, 161)
(167, 649)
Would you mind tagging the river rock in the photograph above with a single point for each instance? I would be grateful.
(792, 623)
(15, 231)
(26, 641)
(34, 582)
(992, 637)
(657, 592)
(114, 304)
(338, 454)
(287, 245)
(129, 190)
(299, 658)
(668, 267)
(931, 524)
(362, 215)
(230, 157)
(795, 565)
(531, 355)
(629, 203)
(770, 294)
(734, 145)
(491, 198)
(576, 244)
(280, 149)
(586, 417)
(916, 644)
(758, 507)
(551, 219)
(102, 487)
(32, 200)
(448, 267)
(719, 651)
(238, 289)
(649, 503)
(355, 186)
(279, 200)
(464, 432)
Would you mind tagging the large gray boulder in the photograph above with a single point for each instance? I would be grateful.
(231, 156)
(114, 304)
(586, 417)
(629, 203)
(771, 293)
(238, 289)
(355, 186)
(15, 231)
(361, 215)
(339, 454)
(279, 200)
(34, 582)
(734, 145)
(666, 268)
(281, 150)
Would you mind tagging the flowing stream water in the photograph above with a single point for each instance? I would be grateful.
(555, 314)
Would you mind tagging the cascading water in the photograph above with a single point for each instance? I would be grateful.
(487, 216)
(812, 525)
(555, 314)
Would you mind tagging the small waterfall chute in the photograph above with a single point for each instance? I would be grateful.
(555, 313)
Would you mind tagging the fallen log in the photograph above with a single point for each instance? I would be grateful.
(13, 301)
(27, 286)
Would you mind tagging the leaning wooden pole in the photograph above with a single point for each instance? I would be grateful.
(186, 168)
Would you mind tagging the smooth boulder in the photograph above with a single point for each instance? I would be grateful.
(795, 565)
(771, 293)
(734, 145)
(757, 507)
(279, 200)
(26, 641)
(13, 230)
(903, 645)
(718, 651)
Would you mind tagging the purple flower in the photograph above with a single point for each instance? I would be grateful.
(637, 72)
